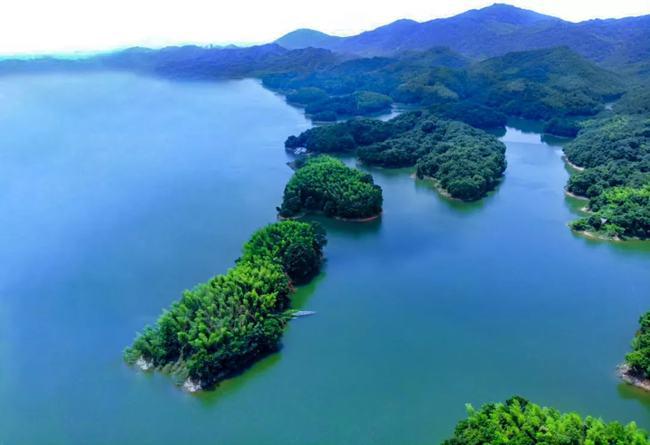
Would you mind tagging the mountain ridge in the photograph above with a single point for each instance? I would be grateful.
(496, 30)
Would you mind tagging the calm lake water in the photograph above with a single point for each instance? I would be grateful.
(117, 192)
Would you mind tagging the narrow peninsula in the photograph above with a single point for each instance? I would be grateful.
(225, 324)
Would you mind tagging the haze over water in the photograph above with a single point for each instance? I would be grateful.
(117, 192)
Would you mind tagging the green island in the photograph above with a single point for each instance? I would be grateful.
(325, 184)
(518, 421)
(636, 368)
(613, 158)
(464, 162)
(225, 324)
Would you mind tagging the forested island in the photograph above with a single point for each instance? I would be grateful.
(636, 369)
(225, 324)
(465, 162)
(325, 184)
(613, 154)
(518, 421)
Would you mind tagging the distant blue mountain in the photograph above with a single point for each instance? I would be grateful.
(305, 38)
(493, 31)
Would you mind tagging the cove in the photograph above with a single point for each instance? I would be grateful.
(118, 191)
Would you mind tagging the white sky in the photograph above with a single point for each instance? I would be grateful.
(42, 26)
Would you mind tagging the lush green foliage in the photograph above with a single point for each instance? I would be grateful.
(544, 84)
(540, 84)
(348, 135)
(621, 212)
(616, 155)
(639, 358)
(619, 138)
(465, 161)
(635, 101)
(356, 104)
(221, 326)
(520, 422)
(326, 184)
(563, 126)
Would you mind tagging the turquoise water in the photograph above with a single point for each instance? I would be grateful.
(117, 192)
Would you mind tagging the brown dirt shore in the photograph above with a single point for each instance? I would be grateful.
(572, 165)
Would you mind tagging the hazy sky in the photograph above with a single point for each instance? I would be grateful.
(37, 26)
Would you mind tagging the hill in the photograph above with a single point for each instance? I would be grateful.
(499, 29)
(305, 38)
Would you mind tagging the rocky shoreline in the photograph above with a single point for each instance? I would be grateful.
(628, 376)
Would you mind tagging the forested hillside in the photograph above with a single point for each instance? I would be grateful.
(615, 155)
(542, 84)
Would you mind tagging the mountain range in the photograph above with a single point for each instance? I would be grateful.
(493, 31)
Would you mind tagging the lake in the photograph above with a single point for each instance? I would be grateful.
(119, 191)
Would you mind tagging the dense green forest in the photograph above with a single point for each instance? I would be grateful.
(518, 421)
(639, 359)
(464, 161)
(615, 154)
(549, 84)
(326, 184)
(619, 212)
(226, 323)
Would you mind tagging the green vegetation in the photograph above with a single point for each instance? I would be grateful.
(347, 136)
(635, 101)
(221, 326)
(546, 84)
(464, 161)
(543, 84)
(518, 421)
(357, 104)
(619, 212)
(639, 359)
(326, 184)
(615, 152)
(467, 163)
(563, 126)
(619, 138)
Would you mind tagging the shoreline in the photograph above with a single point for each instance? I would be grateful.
(339, 218)
(573, 195)
(445, 194)
(436, 184)
(625, 373)
(572, 165)
(595, 235)
(360, 220)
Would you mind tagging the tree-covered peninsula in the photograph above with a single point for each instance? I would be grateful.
(464, 161)
(225, 324)
(325, 184)
(518, 421)
(636, 369)
(614, 157)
